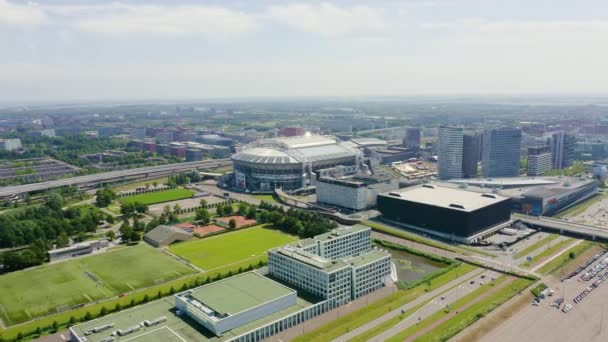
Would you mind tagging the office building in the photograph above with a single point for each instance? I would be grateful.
(293, 131)
(539, 160)
(501, 152)
(338, 266)
(470, 154)
(449, 163)
(412, 138)
(354, 193)
(447, 212)
(562, 148)
(10, 144)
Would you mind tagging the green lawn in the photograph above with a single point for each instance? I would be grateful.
(42, 290)
(357, 318)
(559, 262)
(581, 207)
(158, 197)
(546, 253)
(265, 198)
(134, 185)
(536, 245)
(229, 248)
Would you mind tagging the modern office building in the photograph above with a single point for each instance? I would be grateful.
(354, 193)
(10, 144)
(412, 138)
(539, 160)
(501, 152)
(447, 212)
(449, 163)
(290, 163)
(562, 148)
(339, 266)
(470, 154)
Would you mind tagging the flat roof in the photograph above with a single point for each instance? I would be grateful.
(175, 328)
(366, 258)
(451, 198)
(334, 233)
(240, 293)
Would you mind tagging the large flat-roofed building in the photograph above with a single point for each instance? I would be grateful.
(235, 301)
(536, 195)
(289, 163)
(338, 266)
(451, 213)
(355, 193)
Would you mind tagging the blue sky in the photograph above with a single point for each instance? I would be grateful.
(97, 50)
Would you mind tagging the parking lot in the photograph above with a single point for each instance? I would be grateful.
(583, 322)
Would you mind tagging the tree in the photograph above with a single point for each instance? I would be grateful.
(146, 298)
(155, 183)
(127, 209)
(177, 208)
(103, 311)
(242, 209)
(118, 307)
(228, 210)
(135, 236)
(87, 316)
(203, 215)
(72, 320)
(571, 255)
(111, 235)
(141, 208)
(219, 210)
(203, 202)
(232, 223)
(62, 239)
(54, 201)
(252, 212)
(105, 197)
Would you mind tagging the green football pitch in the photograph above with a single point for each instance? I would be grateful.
(47, 289)
(158, 197)
(235, 248)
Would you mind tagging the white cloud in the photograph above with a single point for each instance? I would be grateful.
(330, 20)
(126, 20)
(26, 15)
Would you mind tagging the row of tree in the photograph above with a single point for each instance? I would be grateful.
(294, 221)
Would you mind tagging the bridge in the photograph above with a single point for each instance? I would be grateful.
(11, 192)
(563, 226)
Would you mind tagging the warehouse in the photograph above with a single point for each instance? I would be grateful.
(450, 213)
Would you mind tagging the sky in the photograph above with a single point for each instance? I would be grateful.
(63, 50)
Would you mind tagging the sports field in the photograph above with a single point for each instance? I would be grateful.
(158, 197)
(42, 290)
(231, 248)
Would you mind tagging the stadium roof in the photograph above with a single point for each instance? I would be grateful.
(451, 198)
(293, 150)
(239, 293)
(265, 155)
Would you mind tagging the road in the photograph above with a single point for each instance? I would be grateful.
(563, 225)
(10, 191)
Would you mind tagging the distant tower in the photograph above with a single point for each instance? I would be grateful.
(501, 152)
(562, 148)
(449, 164)
(412, 138)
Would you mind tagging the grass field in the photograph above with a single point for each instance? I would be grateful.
(158, 197)
(581, 207)
(134, 185)
(561, 261)
(536, 245)
(230, 248)
(546, 253)
(42, 290)
(265, 198)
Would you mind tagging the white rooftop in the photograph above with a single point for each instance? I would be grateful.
(452, 198)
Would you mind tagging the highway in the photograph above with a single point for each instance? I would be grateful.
(595, 232)
(143, 172)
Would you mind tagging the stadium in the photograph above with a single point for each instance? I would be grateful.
(289, 163)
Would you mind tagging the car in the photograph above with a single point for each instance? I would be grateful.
(472, 282)
(483, 276)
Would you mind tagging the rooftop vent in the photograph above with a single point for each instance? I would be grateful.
(456, 206)
(395, 194)
(428, 186)
(488, 196)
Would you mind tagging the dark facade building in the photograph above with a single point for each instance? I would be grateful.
(562, 149)
(446, 212)
(412, 138)
(470, 154)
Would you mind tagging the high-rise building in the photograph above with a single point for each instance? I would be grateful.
(539, 160)
(412, 138)
(562, 148)
(501, 152)
(470, 154)
(449, 163)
